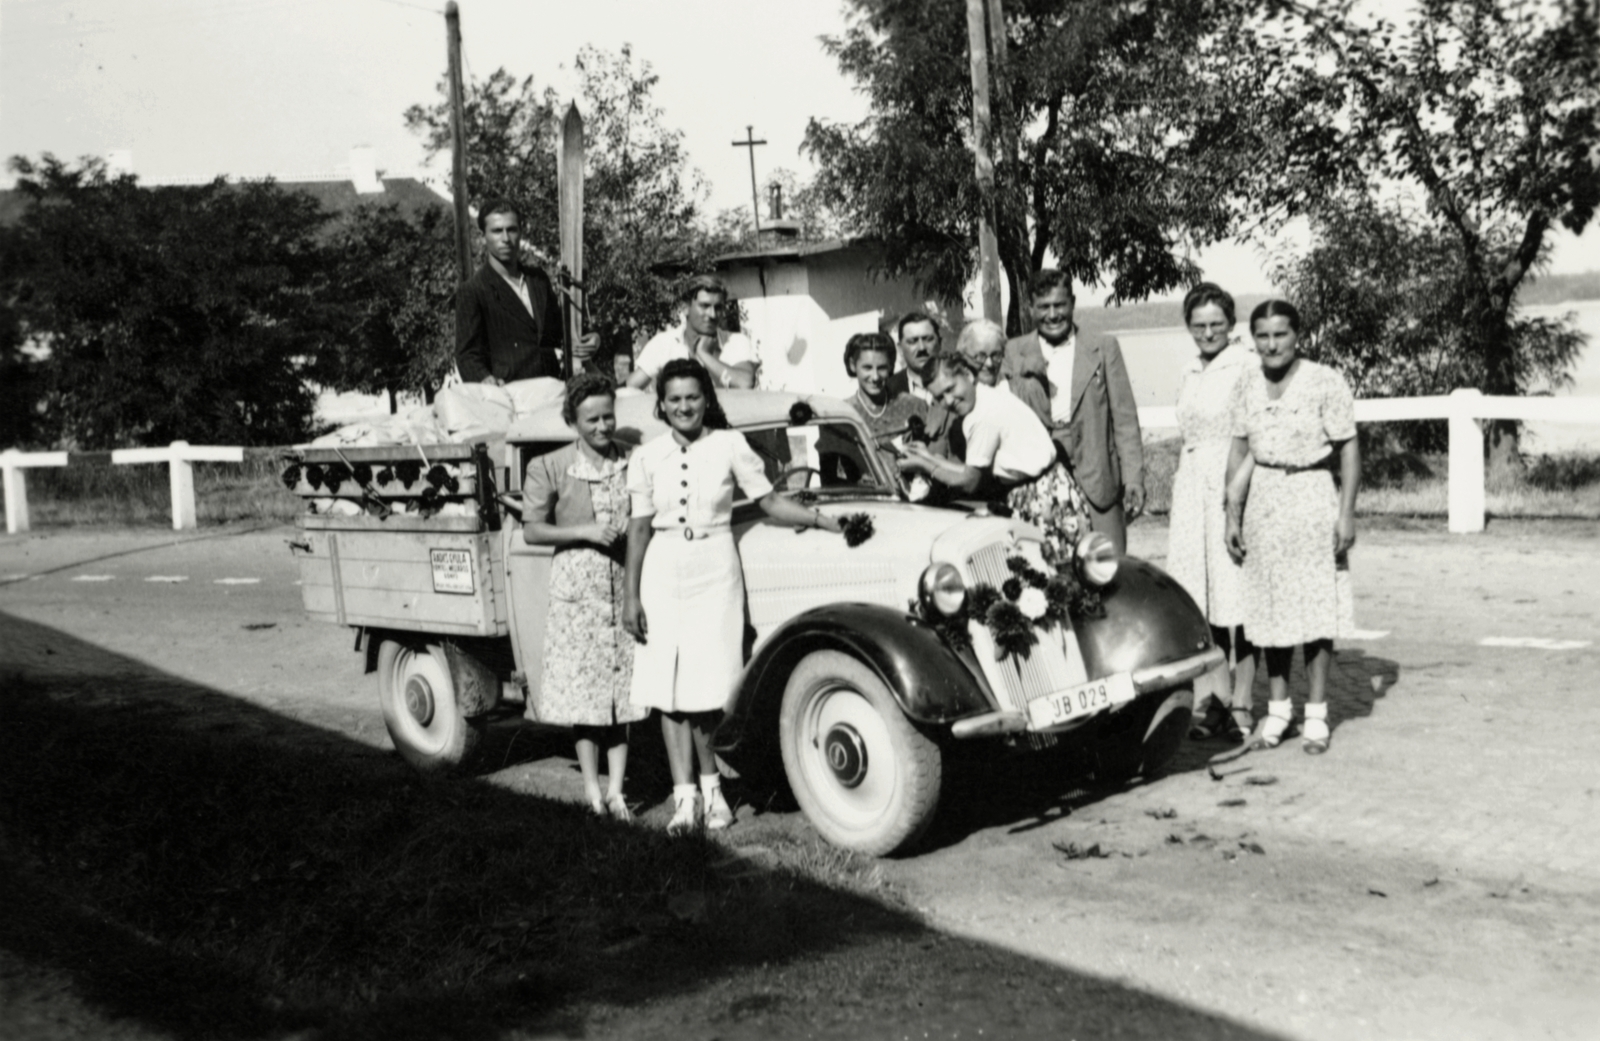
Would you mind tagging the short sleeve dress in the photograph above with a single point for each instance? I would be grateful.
(1292, 591)
(692, 587)
(1197, 549)
(588, 656)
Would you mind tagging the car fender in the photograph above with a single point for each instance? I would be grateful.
(929, 681)
(1149, 620)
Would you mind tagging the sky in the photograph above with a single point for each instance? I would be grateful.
(195, 88)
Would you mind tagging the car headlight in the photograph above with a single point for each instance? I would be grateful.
(941, 589)
(1097, 558)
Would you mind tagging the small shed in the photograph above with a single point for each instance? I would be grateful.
(803, 301)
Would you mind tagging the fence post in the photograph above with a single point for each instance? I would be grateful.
(16, 487)
(182, 471)
(1466, 462)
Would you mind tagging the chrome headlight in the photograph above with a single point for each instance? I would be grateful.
(941, 589)
(1097, 558)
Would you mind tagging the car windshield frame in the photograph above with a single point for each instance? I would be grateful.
(886, 477)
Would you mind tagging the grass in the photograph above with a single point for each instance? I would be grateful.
(1410, 485)
(96, 493)
(216, 871)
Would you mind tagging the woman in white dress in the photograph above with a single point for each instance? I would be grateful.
(1197, 548)
(685, 589)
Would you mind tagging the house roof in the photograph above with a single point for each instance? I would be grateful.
(797, 251)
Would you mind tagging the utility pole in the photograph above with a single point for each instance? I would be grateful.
(988, 248)
(755, 207)
(458, 144)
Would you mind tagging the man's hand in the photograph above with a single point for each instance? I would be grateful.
(586, 346)
(1133, 501)
(493, 381)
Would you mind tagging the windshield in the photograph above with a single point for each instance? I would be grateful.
(828, 458)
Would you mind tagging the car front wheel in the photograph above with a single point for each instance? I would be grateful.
(419, 705)
(865, 776)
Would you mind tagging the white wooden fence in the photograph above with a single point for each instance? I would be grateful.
(1464, 409)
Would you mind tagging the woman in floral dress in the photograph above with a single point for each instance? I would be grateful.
(1197, 549)
(576, 499)
(1296, 419)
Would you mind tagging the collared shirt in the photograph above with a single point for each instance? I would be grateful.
(1003, 433)
(691, 486)
(519, 287)
(1205, 395)
(668, 344)
(915, 386)
(1058, 361)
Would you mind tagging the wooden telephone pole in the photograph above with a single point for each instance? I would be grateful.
(979, 14)
(458, 144)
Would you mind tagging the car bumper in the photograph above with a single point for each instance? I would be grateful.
(1145, 680)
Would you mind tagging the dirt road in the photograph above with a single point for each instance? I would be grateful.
(1435, 875)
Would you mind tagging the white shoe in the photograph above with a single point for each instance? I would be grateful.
(683, 815)
(719, 814)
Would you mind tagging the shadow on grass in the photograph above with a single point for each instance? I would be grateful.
(198, 867)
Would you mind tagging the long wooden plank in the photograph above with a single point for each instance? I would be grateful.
(399, 523)
(452, 453)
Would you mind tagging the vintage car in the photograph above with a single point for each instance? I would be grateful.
(865, 664)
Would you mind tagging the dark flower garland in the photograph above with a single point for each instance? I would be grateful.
(291, 476)
(408, 472)
(1061, 596)
(857, 528)
(801, 413)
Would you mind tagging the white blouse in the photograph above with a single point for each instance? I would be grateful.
(1003, 433)
(691, 486)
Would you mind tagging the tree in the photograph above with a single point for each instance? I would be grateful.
(394, 281)
(1382, 291)
(642, 199)
(1113, 157)
(1488, 109)
(166, 313)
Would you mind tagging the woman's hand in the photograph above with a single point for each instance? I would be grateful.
(1235, 539)
(604, 535)
(633, 619)
(1344, 534)
(827, 523)
(916, 460)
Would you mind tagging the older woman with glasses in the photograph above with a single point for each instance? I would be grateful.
(1197, 548)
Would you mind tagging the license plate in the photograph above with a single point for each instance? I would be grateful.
(1083, 700)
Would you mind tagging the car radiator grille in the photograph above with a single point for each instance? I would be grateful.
(1050, 667)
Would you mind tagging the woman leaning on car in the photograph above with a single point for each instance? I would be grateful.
(1008, 454)
(685, 588)
(1197, 547)
(1296, 420)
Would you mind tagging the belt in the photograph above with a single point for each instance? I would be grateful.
(691, 534)
(1323, 464)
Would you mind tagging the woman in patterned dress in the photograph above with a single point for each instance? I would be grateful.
(1296, 419)
(685, 588)
(1008, 454)
(576, 499)
(1197, 548)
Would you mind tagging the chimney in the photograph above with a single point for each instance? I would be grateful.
(364, 170)
(119, 161)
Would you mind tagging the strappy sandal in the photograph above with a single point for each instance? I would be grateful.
(1243, 723)
(1314, 733)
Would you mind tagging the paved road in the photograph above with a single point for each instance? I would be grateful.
(1435, 875)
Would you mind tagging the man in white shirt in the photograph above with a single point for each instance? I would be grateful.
(730, 357)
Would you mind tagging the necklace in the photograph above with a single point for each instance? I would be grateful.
(866, 406)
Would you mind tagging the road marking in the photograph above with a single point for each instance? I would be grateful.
(1538, 643)
(167, 578)
(236, 581)
(94, 578)
(1367, 634)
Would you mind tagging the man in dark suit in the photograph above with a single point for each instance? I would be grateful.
(508, 317)
(1092, 414)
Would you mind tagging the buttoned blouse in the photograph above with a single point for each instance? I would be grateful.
(691, 486)
(1205, 397)
(1301, 428)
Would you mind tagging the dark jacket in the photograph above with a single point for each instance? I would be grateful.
(495, 334)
